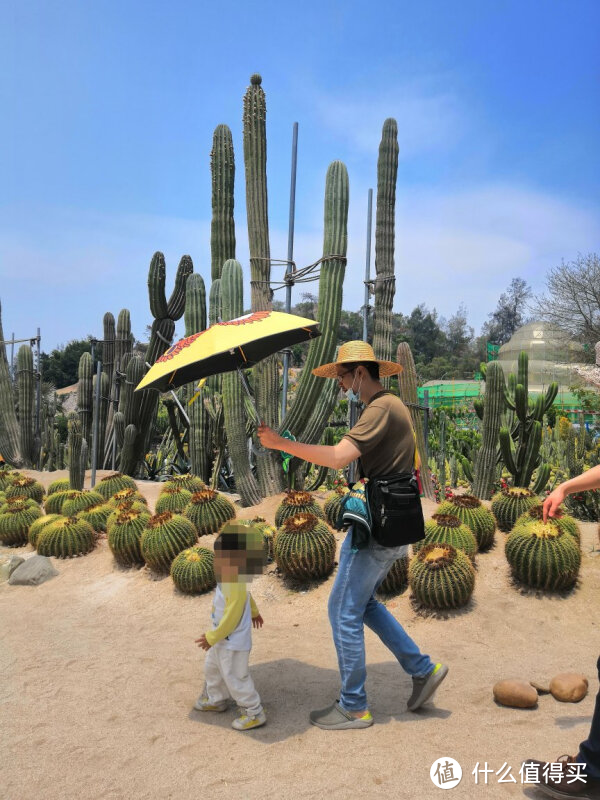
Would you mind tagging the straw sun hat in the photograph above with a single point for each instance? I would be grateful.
(350, 353)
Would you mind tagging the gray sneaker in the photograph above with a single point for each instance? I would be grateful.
(424, 686)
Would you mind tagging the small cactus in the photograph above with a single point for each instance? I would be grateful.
(448, 529)
(80, 501)
(174, 500)
(126, 494)
(97, 516)
(304, 547)
(38, 525)
(441, 576)
(543, 556)
(396, 581)
(59, 485)
(297, 502)
(193, 570)
(208, 510)
(125, 534)
(131, 504)
(66, 537)
(25, 487)
(190, 482)
(332, 507)
(474, 515)
(509, 504)
(15, 521)
(111, 484)
(165, 536)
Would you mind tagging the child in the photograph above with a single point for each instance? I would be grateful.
(239, 554)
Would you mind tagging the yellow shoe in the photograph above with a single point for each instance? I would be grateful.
(203, 704)
(245, 723)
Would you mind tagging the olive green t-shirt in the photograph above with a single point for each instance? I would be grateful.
(384, 436)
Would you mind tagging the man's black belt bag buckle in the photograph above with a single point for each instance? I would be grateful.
(396, 509)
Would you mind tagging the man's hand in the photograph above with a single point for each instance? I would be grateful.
(270, 438)
(203, 642)
(257, 622)
(552, 502)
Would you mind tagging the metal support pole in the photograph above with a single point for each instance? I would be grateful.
(426, 422)
(12, 357)
(96, 424)
(38, 398)
(368, 264)
(290, 256)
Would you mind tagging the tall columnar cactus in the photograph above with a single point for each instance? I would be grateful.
(526, 431)
(76, 451)
(26, 387)
(102, 415)
(487, 457)
(108, 346)
(85, 401)
(304, 547)
(575, 448)
(543, 556)
(122, 347)
(232, 305)
(199, 441)
(387, 174)
(165, 313)
(441, 576)
(266, 372)
(407, 382)
(441, 454)
(314, 398)
(222, 226)
(9, 427)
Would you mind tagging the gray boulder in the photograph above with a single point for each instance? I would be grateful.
(32, 572)
(8, 565)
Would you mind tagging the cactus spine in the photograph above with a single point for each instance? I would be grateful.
(487, 458)
(407, 382)
(233, 400)
(387, 173)
(314, 401)
(255, 161)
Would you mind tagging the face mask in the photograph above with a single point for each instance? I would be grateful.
(354, 396)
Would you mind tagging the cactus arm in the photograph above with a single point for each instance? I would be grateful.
(156, 286)
(26, 394)
(222, 226)
(507, 451)
(176, 303)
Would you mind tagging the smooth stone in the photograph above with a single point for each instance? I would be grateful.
(516, 694)
(569, 687)
(541, 687)
(32, 572)
(8, 565)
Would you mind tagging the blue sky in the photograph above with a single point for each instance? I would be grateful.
(110, 109)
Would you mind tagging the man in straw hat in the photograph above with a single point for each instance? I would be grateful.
(383, 439)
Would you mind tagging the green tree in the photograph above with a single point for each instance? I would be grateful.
(61, 366)
(509, 314)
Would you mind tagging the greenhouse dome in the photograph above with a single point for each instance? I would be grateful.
(552, 355)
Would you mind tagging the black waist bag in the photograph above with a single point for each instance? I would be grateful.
(397, 516)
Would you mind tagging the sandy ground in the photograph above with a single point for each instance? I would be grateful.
(100, 674)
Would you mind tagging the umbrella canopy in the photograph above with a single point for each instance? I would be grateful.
(227, 346)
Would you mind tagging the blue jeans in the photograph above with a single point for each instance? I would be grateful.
(352, 605)
(589, 751)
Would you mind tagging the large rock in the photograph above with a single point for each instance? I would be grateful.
(32, 572)
(8, 565)
(516, 694)
(569, 687)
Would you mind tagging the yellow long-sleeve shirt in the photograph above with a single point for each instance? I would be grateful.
(235, 595)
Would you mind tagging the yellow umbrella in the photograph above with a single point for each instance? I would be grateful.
(228, 346)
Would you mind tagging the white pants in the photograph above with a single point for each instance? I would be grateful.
(226, 675)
